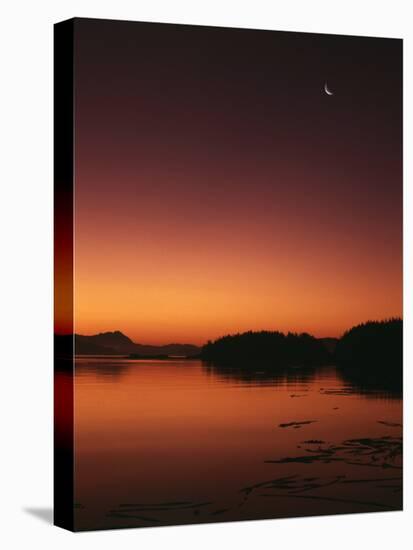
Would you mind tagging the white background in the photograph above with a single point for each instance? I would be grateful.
(26, 271)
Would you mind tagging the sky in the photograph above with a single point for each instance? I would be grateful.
(219, 189)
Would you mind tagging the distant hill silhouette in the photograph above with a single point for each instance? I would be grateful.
(269, 348)
(117, 343)
(107, 342)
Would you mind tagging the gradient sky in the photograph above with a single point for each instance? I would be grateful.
(219, 189)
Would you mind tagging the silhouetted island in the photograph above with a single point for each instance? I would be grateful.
(375, 343)
(269, 348)
(370, 355)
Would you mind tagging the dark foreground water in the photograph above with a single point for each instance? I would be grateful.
(169, 442)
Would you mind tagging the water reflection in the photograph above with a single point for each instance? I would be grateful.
(260, 374)
(109, 367)
(353, 380)
(374, 383)
(365, 382)
(168, 442)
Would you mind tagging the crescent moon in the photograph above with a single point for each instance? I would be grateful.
(327, 91)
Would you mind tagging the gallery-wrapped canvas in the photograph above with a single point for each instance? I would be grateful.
(228, 274)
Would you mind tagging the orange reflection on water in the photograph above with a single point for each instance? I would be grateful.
(150, 432)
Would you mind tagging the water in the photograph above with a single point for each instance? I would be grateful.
(167, 442)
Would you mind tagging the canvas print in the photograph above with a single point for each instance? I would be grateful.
(228, 274)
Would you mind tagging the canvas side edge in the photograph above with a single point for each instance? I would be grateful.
(63, 275)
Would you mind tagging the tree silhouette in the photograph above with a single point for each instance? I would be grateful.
(375, 343)
(274, 348)
(371, 354)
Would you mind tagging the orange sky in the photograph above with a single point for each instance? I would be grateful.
(199, 214)
(163, 283)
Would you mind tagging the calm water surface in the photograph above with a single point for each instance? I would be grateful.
(178, 441)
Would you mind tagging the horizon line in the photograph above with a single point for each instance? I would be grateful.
(188, 343)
